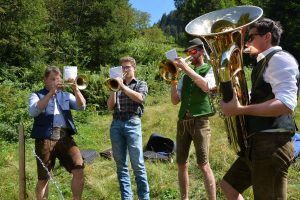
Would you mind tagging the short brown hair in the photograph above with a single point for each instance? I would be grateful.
(128, 59)
(50, 69)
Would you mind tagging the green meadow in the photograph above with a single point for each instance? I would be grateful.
(100, 176)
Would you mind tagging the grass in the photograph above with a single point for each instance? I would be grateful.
(100, 177)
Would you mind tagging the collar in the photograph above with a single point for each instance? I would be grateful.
(134, 80)
(263, 54)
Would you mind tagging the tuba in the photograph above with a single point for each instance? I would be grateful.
(222, 31)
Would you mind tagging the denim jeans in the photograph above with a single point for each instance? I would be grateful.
(126, 137)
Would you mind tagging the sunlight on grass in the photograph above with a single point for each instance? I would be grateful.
(100, 176)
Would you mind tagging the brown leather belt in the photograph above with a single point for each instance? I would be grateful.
(59, 133)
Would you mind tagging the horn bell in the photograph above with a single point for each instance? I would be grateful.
(223, 21)
(222, 31)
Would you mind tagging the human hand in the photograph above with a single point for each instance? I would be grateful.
(53, 87)
(181, 63)
(72, 83)
(231, 108)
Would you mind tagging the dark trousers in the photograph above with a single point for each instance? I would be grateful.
(264, 166)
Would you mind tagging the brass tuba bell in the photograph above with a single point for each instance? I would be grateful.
(222, 31)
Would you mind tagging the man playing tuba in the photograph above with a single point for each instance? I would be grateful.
(193, 124)
(269, 121)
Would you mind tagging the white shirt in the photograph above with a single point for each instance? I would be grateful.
(281, 75)
(67, 102)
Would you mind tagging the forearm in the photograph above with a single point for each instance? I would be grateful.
(111, 102)
(80, 100)
(175, 99)
(133, 95)
(198, 80)
(42, 103)
(269, 108)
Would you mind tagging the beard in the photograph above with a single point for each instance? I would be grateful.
(195, 61)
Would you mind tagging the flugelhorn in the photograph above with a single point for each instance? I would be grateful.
(81, 81)
(113, 83)
(222, 31)
(169, 70)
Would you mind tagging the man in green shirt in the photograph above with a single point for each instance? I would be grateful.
(193, 124)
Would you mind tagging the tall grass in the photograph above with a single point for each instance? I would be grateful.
(100, 176)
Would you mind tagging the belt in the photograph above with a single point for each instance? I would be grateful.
(58, 133)
(188, 115)
(124, 117)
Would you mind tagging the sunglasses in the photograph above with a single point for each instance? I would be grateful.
(252, 36)
(192, 52)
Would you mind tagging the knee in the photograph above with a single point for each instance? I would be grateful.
(205, 168)
(183, 167)
(223, 185)
(227, 188)
(42, 183)
(78, 173)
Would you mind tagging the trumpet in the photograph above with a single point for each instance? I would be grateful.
(169, 70)
(81, 81)
(113, 83)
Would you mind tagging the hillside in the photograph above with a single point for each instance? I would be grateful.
(101, 181)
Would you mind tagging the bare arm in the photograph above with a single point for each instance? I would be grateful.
(198, 80)
(80, 100)
(42, 103)
(133, 95)
(111, 102)
(175, 99)
(270, 108)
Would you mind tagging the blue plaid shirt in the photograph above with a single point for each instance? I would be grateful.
(125, 107)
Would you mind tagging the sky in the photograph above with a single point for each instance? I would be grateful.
(156, 8)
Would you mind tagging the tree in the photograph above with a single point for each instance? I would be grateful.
(23, 35)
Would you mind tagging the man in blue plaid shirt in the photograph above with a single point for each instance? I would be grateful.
(126, 130)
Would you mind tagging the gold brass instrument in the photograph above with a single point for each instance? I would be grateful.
(113, 84)
(81, 81)
(222, 31)
(168, 69)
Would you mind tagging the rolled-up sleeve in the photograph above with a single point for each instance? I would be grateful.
(73, 103)
(33, 110)
(282, 75)
(210, 78)
(143, 89)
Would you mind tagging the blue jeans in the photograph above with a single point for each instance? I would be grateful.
(126, 136)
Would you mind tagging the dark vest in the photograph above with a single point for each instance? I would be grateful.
(43, 123)
(193, 99)
(261, 92)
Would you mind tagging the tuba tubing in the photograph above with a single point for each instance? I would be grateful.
(222, 31)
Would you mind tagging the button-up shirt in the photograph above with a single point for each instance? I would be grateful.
(56, 104)
(126, 107)
(281, 75)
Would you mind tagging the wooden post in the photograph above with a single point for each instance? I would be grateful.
(22, 180)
